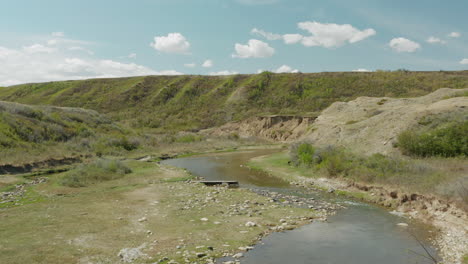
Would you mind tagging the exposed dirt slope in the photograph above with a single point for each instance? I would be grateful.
(273, 128)
(370, 125)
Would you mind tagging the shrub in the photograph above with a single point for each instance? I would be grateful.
(333, 160)
(95, 172)
(125, 143)
(449, 140)
(305, 153)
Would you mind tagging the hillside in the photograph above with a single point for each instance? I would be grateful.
(196, 102)
(54, 132)
(371, 125)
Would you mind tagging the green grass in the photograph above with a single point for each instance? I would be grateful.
(174, 103)
(449, 139)
(35, 133)
(93, 223)
(95, 172)
(445, 177)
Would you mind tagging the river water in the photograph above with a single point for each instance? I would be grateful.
(359, 234)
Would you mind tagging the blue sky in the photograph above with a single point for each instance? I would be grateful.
(64, 39)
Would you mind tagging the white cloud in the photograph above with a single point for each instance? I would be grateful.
(207, 64)
(223, 73)
(286, 69)
(292, 38)
(78, 48)
(37, 63)
(403, 45)
(172, 43)
(190, 65)
(58, 34)
(361, 70)
(332, 35)
(254, 49)
(38, 48)
(434, 40)
(267, 35)
(464, 61)
(169, 72)
(454, 34)
(287, 38)
(132, 55)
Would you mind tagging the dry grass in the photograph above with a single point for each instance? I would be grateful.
(445, 177)
(74, 225)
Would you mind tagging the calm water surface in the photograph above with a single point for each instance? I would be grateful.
(359, 234)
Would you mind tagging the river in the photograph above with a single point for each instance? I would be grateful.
(359, 234)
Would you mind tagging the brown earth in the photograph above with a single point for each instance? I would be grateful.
(370, 125)
(278, 128)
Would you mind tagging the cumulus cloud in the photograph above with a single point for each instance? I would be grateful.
(132, 55)
(267, 35)
(292, 38)
(434, 40)
(190, 65)
(330, 35)
(254, 49)
(207, 64)
(287, 38)
(172, 43)
(464, 61)
(78, 48)
(361, 70)
(39, 63)
(454, 34)
(404, 45)
(223, 73)
(286, 69)
(38, 48)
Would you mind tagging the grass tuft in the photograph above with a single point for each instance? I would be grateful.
(95, 172)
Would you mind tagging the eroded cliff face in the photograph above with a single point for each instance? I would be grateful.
(278, 128)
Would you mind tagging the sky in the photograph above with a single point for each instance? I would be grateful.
(53, 40)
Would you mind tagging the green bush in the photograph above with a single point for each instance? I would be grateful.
(448, 140)
(305, 153)
(95, 172)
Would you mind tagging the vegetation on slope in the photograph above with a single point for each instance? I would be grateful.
(441, 135)
(194, 102)
(55, 131)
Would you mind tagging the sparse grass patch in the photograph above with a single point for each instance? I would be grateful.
(350, 122)
(189, 138)
(95, 172)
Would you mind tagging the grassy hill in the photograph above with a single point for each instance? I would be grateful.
(46, 131)
(196, 102)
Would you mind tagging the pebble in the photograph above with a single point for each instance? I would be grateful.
(250, 224)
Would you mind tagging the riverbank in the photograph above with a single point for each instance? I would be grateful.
(450, 221)
(154, 214)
